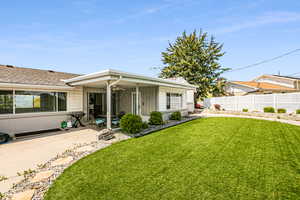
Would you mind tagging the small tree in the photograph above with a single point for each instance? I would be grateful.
(196, 59)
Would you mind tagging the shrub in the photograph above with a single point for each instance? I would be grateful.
(298, 111)
(145, 125)
(175, 116)
(156, 118)
(269, 110)
(281, 110)
(245, 110)
(217, 107)
(131, 123)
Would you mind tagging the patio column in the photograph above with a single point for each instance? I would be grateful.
(137, 99)
(108, 103)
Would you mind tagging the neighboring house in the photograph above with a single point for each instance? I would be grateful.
(33, 100)
(265, 84)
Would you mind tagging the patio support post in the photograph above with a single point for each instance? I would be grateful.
(108, 103)
(137, 99)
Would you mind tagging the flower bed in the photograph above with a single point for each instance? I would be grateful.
(170, 123)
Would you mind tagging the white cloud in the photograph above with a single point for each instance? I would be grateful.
(155, 9)
(264, 19)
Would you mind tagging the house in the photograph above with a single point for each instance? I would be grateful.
(265, 84)
(34, 100)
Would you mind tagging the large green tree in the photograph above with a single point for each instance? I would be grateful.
(195, 57)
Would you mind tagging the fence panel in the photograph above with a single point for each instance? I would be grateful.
(289, 101)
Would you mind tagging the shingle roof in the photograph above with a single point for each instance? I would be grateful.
(20, 75)
(290, 77)
(263, 85)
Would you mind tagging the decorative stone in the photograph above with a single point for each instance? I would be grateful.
(26, 195)
(42, 176)
(62, 161)
(105, 134)
(84, 149)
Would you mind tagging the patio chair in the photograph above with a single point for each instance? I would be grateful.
(100, 122)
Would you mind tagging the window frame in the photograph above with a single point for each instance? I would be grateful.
(10, 93)
(169, 96)
(36, 90)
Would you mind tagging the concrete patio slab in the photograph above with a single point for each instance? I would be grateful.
(27, 153)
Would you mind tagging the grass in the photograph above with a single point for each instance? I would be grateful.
(211, 158)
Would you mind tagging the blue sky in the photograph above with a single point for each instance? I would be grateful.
(84, 36)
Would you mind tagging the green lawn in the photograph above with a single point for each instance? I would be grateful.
(212, 158)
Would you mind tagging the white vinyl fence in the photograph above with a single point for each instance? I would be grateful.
(289, 101)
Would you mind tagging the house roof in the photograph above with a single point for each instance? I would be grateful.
(19, 75)
(263, 85)
(125, 76)
(278, 76)
(290, 77)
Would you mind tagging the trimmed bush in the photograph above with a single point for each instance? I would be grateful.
(298, 111)
(175, 116)
(156, 118)
(269, 110)
(245, 110)
(131, 123)
(281, 110)
(145, 125)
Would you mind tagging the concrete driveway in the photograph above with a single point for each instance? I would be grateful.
(27, 153)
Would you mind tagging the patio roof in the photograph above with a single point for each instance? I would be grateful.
(99, 79)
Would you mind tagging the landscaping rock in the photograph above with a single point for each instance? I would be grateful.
(84, 149)
(42, 176)
(105, 134)
(26, 195)
(62, 161)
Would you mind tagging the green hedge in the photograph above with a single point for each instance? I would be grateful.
(281, 110)
(175, 116)
(298, 111)
(245, 110)
(156, 118)
(131, 123)
(269, 110)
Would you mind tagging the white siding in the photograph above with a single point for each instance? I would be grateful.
(75, 100)
(162, 97)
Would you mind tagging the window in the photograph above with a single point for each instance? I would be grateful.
(36, 101)
(32, 101)
(174, 101)
(168, 101)
(62, 101)
(6, 102)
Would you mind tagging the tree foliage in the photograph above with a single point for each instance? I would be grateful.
(196, 59)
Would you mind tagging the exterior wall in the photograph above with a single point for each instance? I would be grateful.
(30, 122)
(148, 100)
(75, 100)
(190, 100)
(23, 123)
(162, 101)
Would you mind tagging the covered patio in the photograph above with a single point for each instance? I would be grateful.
(109, 92)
